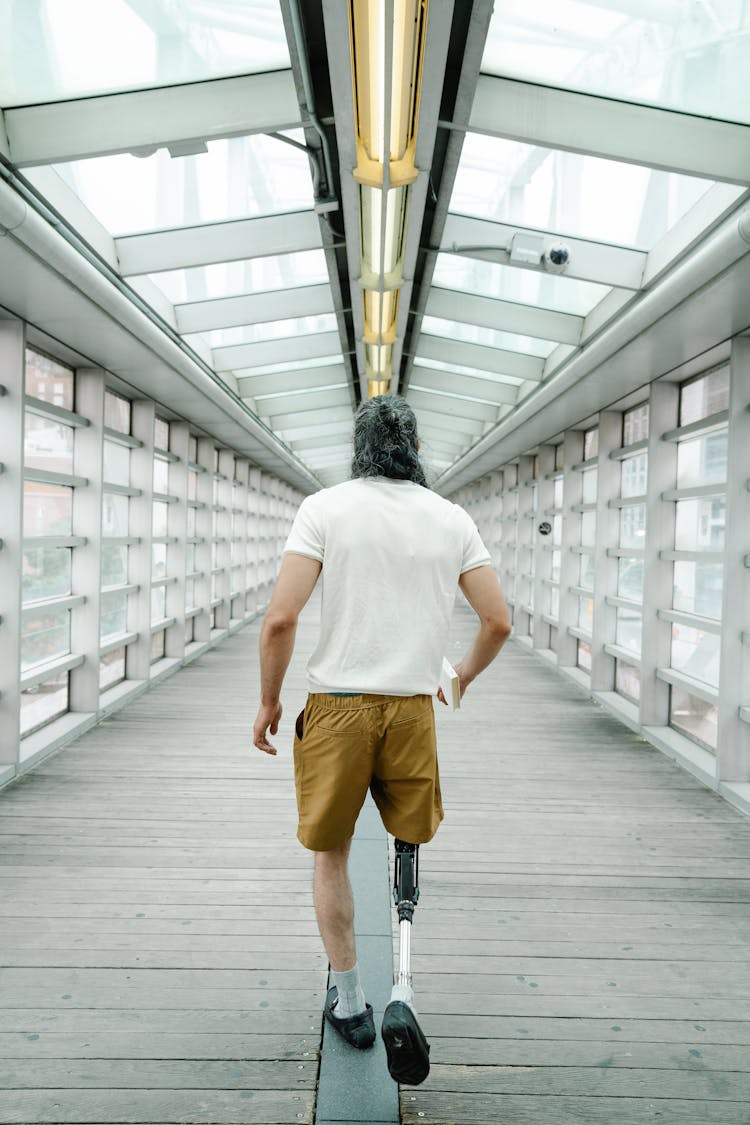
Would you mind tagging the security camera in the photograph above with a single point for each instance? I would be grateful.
(556, 258)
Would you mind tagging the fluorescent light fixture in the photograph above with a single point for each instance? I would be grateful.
(381, 311)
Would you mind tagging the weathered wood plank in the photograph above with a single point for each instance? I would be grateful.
(157, 1107)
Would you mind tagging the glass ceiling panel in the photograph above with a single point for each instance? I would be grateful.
(230, 279)
(267, 330)
(583, 196)
(689, 57)
(457, 369)
(58, 49)
(238, 178)
(526, 287)
(285, 368)
(492, 337)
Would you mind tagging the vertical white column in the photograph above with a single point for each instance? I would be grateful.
(224, 536)
(509, 571)
(605, 567)
(542, 556)
(174, 645)
(570, 560)
(733, 746)
(524, 588)
(87, 523)
(656, 640)
(138, 660)
(253, 540)
(204, 532)
(12, 365)
(239, 538)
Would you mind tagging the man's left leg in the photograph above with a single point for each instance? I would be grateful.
(346, 1008)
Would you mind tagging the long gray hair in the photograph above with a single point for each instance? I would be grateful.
(385, 440)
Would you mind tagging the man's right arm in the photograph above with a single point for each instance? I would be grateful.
(482, 591)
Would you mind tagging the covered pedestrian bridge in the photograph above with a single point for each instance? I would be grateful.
(223, 225)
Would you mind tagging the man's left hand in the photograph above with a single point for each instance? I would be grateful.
(268, 717)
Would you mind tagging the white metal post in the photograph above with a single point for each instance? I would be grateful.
(570, 560)
(605, 567)
(174, 644)
(656, 640)
(141, 516)
(733, 746)
(12, 367)
(524, 612)
(87, 523)
(224, 538)
(204, 533)
(239, 545)
(539, 544)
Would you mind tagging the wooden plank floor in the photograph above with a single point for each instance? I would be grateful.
(582, 942)
(160, 958)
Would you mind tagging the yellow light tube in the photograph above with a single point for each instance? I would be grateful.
(381, 311)
(382, 255)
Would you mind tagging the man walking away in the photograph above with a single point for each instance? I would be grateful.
(392, 554)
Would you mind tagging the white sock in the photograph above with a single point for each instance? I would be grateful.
(404, 992)
(351, 997)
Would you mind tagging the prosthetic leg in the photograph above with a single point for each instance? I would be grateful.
(407, 1049)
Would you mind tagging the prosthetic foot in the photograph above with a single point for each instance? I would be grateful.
(406, 1047)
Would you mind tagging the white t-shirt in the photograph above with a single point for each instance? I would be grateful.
(392, 553)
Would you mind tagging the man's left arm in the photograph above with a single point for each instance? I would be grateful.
(295, 584)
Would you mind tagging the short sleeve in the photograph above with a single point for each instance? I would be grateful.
(474, 551)
(307, 536)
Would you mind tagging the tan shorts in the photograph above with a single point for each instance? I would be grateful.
(345, 745)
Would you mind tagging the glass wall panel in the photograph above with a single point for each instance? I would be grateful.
(49, 380)
(161, 434)
(112, 668)
(588, 529)
(158, 560)
(702, 460)
(114, 614)
(694, 717)
(47, 509)
(628, 680)
(630, 578)
(160, 514)
(698, 588)
(158, 642)
(633, 478)
(696, 653)
(629, 628)
(47, 445)
(43, 703)
(158, 603)
(586, 572)
(114, 564)
(635, 424)
(700, 524)
(116, 463)
(584, 656)
(44, 636)
(46, 573)
(706, 395)
(117, 412)
(115, 511)
(586, 613)
(590, 444)
(632, 525)
(589, 482)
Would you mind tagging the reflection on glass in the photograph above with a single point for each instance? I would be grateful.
(117, 412)
(554, 601)
(192, 484)
(584, 656)
(702, 460)
(628, 680)
(630, 579)
(114, 564)
(158, 560)
(44, 702)
(158, 603)
(633, 476)
(589, 485)
(586, 613)
(44, 636)
(228, 279)
(565, 192)
(692, 58)
(555, 573)
(47, 509)
(112, 668)
(115, 511)
(490, 337)
(591, 443)
(557, 500)
(47, 445)
(46, 573)
(696, 653)
(191, 522)
(161, 433)
(628, 629)
(48, 380)
(114, 618)
(161, 475)
(557, 530)
(706, 395)
(635, 424)
(694, 717)
(160, 513)
(588, 529)
(158, 642)
(490, 279)
(586, 572)
(116, 463)
(632, 525)
(189, 593)
(698, 588)
(700, 524)
(270, 330)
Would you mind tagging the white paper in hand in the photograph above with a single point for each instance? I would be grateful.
(450, 686)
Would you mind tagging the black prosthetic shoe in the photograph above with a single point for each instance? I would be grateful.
(406, 1047)
(358, 1030)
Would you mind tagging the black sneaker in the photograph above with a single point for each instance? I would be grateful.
(358, 1030)
(407, 1049)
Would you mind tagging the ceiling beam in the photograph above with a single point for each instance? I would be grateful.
(254, 308)
(284, 382)
(447, 404)
(490, 241)
(505, 316)
(303, 400)
(233, 241)
(486, 390)
(58, 132)
(615, 130)
(310, 420)
(239, 356)
(483, 358)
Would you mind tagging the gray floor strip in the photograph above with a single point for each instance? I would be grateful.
(355, 1087)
